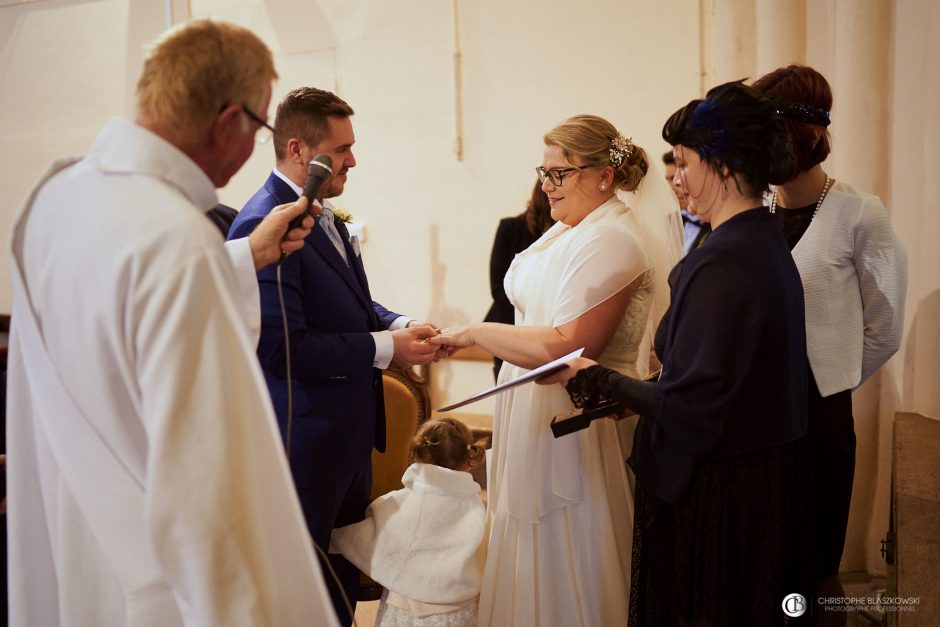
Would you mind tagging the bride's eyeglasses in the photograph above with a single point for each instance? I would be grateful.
(555, 175)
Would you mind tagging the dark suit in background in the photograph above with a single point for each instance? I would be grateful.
(512, 237)
(695, 232)
(222, 217)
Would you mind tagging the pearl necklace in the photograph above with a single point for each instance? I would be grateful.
(822, 197)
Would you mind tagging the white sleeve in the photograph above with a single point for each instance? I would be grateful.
(246, 289)
(222, 514)
(384, 349)
(399, 323)
(881, 264)
(356, 543)
(602, 263)
(359, 542)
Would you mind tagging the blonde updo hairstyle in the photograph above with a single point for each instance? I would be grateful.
(448, 443)
(589, 139)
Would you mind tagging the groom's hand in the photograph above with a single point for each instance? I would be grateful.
(415, 323)
(449, 341)
(442, 351)
(411, 346)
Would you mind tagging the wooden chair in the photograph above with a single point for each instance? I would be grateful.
(407, 406)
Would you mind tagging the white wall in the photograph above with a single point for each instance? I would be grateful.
(429, 217)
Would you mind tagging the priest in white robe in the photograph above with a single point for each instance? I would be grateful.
(147, 481)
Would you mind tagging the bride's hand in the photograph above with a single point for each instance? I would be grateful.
(564, 375)
(454, 337)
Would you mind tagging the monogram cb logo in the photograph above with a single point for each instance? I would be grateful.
(794, 605)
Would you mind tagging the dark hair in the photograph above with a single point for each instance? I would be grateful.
(303, 114)
(735, 127)
(538, 213)
(446, 442)
(669, 158)
(799, 86)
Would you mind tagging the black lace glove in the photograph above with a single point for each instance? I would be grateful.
(592, 386)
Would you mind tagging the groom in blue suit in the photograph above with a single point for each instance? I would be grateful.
(340, 339)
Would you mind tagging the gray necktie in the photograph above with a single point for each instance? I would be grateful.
(325, 222)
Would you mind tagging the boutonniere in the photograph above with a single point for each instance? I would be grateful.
(342, 215)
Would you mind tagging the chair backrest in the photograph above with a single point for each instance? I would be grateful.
(407, 405)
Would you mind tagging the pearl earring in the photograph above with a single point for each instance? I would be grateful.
(603, 188)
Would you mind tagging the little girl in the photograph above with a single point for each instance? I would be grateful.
(422, 542)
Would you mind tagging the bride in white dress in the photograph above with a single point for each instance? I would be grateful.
(561, 510)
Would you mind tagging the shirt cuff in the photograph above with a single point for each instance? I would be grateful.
(246, 287)
(384, 348)
(399, 323)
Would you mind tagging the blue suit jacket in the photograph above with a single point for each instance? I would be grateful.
(338, 405)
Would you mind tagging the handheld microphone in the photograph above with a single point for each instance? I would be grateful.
(320, 169)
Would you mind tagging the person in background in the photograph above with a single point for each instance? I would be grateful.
(339, 339)
(222, 217)
(422, 543)
(147, 482)
(695, 231)
(854, 273)
(561, 510)
(722, 505)
(513, 235)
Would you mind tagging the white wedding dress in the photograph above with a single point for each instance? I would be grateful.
(561, 510)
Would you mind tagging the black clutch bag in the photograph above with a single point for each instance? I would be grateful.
(578, 419)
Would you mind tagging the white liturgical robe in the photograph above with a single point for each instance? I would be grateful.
(147, 481)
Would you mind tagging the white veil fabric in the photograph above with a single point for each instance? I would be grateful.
(655, 210)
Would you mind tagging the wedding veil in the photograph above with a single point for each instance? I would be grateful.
(656, 212)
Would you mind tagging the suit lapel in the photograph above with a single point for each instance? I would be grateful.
(355, 261)
(319, 241)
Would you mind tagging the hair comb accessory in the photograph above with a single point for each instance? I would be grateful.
(620, 147)
(803, 113)
(705, 132)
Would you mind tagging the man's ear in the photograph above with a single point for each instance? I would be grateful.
(227, 124)
(294, 148)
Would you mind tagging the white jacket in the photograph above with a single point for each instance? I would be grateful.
(421, 541)
(854, 272)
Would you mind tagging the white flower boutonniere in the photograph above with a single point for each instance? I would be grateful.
(342, 215)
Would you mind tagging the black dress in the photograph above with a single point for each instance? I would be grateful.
(721, 530)
(831, 437)
(512, 237)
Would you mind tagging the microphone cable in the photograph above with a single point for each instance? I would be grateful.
(290, 425)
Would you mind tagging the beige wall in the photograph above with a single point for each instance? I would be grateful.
(67, 66)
